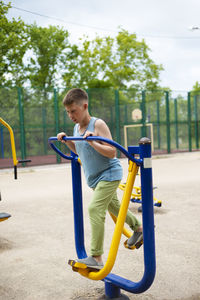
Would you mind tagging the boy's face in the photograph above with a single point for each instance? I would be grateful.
(76, 112)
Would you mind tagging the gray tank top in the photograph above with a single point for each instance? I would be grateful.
(96, 167)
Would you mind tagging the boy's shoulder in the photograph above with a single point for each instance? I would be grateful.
(99, 122)
(101, 126)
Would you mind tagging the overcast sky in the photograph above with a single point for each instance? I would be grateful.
(163, 24)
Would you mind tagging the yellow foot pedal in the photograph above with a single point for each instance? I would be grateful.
(76, 266)
(4, 216)
(136, 246)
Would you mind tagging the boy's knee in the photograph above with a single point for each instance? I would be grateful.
(96, 213)
(92, 210)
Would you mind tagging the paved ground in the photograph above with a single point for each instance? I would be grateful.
(36, 242)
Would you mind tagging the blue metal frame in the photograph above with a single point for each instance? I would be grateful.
(78, 206)
(92, 138)
(113, 283)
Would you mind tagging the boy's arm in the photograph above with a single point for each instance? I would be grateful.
(69, 144)
(101, 129)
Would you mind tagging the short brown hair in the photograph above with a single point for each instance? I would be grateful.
(75, 96)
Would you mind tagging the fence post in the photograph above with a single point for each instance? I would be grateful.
(21, 120)
(89, 100)
(44, 126)
(196, 122)
(117, 117)
(64, 121)
(2, 147)
(189, 122)
(143, 106)
(125, 114)
(176, 122)
(168, 122)
(56, 115)
(158, 122)
(111, 121)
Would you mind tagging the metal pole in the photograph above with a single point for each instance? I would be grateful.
(196, 122)
(176, 122)
(148, 227)
(168, 122)
(117, 118)
(2, 147)
(44, 126)
(189, 123)
(158, 123)
(125, 114)
(147, 210)
(143, 113)
(56, 114)
(22, 130)
(112, 123)
(78, 207)
(89, 100)
(65, 120)
(113, 292)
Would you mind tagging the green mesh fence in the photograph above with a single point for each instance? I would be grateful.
(37, 114)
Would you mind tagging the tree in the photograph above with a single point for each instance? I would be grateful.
(48, 47)
(119, 62)
(196, 89)
(13, 46)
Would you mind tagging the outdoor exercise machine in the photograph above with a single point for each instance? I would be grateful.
(136, 196)
(12, 141)
(5, 216)
(114, 283)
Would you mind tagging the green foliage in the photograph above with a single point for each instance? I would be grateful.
(69, 60)
(14, 44)
(43, 57)
(196, 89)
(8, 97)
(119, 63)
(48, 46)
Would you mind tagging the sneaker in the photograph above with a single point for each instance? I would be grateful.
(90, 262)
(135, 241)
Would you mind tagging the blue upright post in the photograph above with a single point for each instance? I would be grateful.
(113, 283)
(147, 211)
(78, 207)
(113, 292)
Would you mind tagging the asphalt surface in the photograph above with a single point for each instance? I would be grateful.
(37, 241)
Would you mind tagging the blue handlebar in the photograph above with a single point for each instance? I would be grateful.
(92, 138)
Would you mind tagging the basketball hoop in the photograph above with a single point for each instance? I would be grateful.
(136, 114)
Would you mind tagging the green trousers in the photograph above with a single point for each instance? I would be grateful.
(105, 198)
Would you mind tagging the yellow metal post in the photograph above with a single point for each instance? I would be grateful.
(133, 169)
(12, 140)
